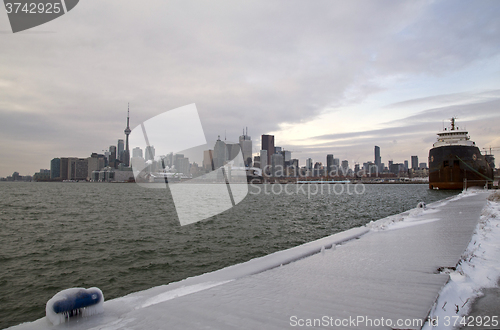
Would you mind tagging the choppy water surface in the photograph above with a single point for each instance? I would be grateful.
(124, 238)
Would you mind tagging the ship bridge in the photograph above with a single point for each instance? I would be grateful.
(453, 136)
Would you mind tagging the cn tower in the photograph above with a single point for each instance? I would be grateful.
(127, 131)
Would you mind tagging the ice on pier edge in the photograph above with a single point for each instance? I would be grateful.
(465, 283)
(477, 269)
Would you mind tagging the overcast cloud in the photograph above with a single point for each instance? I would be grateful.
(400, 68)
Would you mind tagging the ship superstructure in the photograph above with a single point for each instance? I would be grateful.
(456, 162)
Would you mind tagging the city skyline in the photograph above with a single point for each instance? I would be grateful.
(121, 155)
(325, 77)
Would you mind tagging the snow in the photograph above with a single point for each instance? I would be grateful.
(478, 269)
(387, 269)
(181, 292)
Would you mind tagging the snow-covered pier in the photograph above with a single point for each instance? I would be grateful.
(385, 275)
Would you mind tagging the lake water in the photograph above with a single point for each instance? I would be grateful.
(124, 238)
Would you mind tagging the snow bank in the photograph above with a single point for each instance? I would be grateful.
(410, 218)
(415, 216)
(477, 269)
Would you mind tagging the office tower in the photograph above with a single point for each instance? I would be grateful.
(406, 165)
(395, 168)
(263, 161)
(277, 165)
(150, 153)
(246, 148)
(422, 166)
(169, 159)
(64, 168)
(126, 152)
(390, 164)
(208, 160)
(277, 150)
(95, 162)
(137, 152)
(378, 159)
(137, 161)
(414, 162)
(55, 168)
(268, 145)
(112, 156)
(309, 163)
(107, 154)
(220, 154)
(256, 161)
(233, 149)
(317, 168)
(120, 150)
(329, 164)
(287, 155)
(345, 167)
(77, 168)
(181, 163)
(356, 169)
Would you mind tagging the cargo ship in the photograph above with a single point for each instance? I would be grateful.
(455, 162)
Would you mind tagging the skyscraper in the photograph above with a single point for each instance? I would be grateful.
(309, 163)
(287, 155)
(77, 168)
(137, 152)
(126, 152)
(414, 162)
(345, 167)
(263, 161)
(64, 168)
(246, 148)
(208, 160)
(150, 153)
(378, 160)
(55, 168)
(329, 164)
(95, 162)
(112, 156)
(120, 150)
(277, 165)
(220, 153)
(268, 145)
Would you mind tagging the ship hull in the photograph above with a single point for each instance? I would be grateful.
(450, 166)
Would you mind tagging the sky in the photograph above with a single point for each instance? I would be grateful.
(324, 77)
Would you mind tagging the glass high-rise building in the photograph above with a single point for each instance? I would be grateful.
(268, 145)
(329, 164)
(55, 168)
(121, 148)
(414, 162)
(378, 159)
(112, 156)
(309, 163)
(263, 161)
